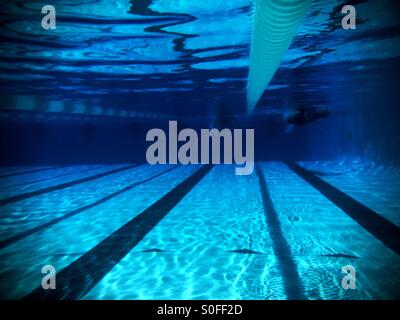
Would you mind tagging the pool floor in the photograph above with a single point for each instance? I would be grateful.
(135, 231)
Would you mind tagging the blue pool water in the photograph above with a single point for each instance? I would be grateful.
(77, 191)
(215, 243)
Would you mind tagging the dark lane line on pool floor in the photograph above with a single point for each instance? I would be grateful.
(373, 222)
(63, 185)
(28, 171)
(291, 279)
(6, 242)
(74, 281)
(26, 183)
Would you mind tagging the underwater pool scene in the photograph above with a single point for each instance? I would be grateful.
(317, 217)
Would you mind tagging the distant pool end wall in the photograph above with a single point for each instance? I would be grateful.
(274, 25)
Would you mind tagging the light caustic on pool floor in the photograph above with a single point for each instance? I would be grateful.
(269, 235)
(374, 185)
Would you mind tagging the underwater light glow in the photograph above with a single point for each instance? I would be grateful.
(136, 164)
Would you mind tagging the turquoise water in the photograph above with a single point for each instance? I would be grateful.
(219, 242)
(76, 104)
(375, 185)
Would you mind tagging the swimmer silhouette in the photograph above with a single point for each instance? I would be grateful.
(304, 115)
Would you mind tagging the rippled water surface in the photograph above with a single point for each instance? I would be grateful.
(76, 103)
(124, 54)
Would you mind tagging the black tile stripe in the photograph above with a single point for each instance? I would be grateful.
(25, 183)
(79, 277)
(19, 173)
(6, 242)
(373, 222)
(294, 288)
(62, 185)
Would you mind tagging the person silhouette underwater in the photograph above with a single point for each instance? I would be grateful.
(304, 115)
